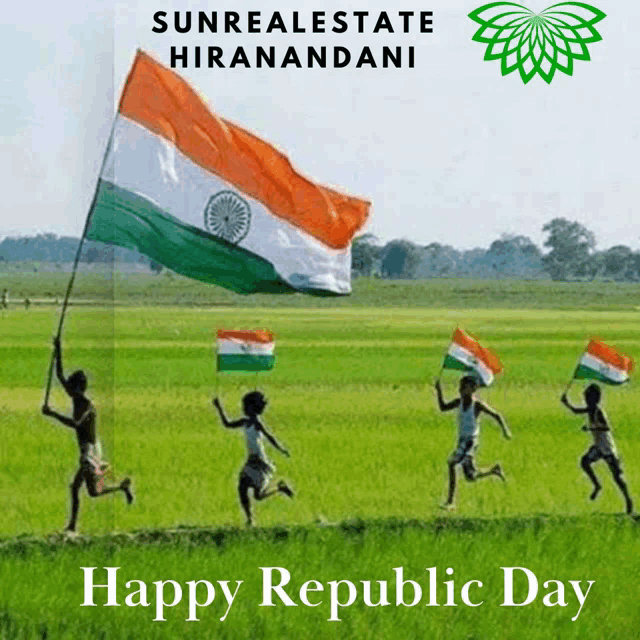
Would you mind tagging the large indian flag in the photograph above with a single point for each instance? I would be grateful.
(467, 354)
(245, 350)
(601, 362)
(212, 201)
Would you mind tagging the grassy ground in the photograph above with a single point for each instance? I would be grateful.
(42, 585)
(349, 398)
(100, 285)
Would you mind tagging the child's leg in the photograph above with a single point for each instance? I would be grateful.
(496, 470)
(283, 487)
(452, 483)
(243, 492)
(457, 457)
(264, 492)
(75, 487)
(585, 462)
(616, 472)
(95, 490)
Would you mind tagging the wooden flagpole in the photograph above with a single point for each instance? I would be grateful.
(76, 262)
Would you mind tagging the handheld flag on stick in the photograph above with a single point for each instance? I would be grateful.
(245, 350)
(603, 363)
(212, 201)
(466, 354)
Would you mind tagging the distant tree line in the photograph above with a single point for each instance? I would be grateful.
(570, 255)
(49, 247)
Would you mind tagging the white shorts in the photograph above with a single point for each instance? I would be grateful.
(464, 454)
(602, 452)
(257, 472)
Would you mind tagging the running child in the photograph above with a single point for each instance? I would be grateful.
(603, 447)
(92, 469)
(469, 411)
(258, 470)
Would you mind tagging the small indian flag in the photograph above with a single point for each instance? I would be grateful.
(466, 354)
(212, 201)
(601, 362)
(245, 350)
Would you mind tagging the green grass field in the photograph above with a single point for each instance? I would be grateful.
(106, 286)
(351, 398)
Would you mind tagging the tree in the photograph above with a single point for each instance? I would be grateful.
(571, 247)
(365, 254)
(619, 263)
(635, 262)
(399, 259)
(514, 256)
(438, 260)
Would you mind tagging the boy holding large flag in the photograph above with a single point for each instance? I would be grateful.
(92, 468)
(600, 362)
(466, 354)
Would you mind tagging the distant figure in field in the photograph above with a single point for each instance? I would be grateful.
(257, 471)
(92, 469)
(27, 303)
(4, 301)
(603, 447)
(469, 410)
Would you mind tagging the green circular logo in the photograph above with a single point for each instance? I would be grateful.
(537, 43)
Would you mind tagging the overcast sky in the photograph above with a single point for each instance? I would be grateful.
(449, 151)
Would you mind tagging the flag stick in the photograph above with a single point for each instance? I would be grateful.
(566, 390)
(444, 355)
(77, 261)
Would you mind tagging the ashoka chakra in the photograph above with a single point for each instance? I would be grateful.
(227, 216)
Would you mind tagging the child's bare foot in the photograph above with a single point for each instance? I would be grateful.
(448, 506)
(125, 485)
(497, 471)
(283, 487)
(595, 492)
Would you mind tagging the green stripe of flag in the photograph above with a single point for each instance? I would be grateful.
(452, 363)
(243, 362)
(128, 220)
(586, 373)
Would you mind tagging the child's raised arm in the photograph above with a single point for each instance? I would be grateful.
(564, 398)
(58, 358)
(59, 370)
(442, 405)
(496, 416)
(230, 424)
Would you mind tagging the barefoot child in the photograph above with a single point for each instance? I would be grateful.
(91, 470)
(257, 471)
(469, 410)
(603, 447)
